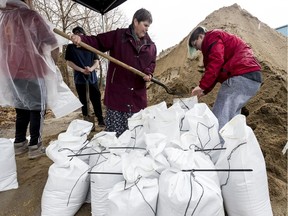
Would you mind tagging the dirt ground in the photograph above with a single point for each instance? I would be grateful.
(181, 71)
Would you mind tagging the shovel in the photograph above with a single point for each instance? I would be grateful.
(122, 64)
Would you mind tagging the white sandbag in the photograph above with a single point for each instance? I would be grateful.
(8, 169)
(68, 139)
(125, 138)
(52, 152)
(139, 198)
(138, 123)
(124, 143)
(185, 193)
(180, 114)
(97, 153)
(150, 110)
(62, 151)
(189, 141)
(66, 188)
(79, 127)
(244, 193)
(69, 145)
(189, 193)
(97, 156)
(135, 165)
(109, 142)
(167, 122)
(105, 139)
(156, 144)
(102, 184)
(186, 104)
(204, 125)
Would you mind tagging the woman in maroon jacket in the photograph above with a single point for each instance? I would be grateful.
(230, 61)
(125, 92)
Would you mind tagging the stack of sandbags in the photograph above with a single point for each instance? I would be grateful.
(169, 162)
(68, 179)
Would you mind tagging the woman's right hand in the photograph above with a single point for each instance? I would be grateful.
(197, 91)
(76, 39)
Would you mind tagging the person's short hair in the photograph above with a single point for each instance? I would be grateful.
(195, 34)
(142, 15)
(78, 29)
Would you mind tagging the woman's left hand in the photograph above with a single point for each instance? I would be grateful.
(147, 78)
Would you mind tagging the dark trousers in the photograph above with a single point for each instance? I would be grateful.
(95, 98)
(23, 118)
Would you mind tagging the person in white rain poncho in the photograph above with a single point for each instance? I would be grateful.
(27, 70)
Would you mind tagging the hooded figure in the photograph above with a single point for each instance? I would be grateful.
(27, 71)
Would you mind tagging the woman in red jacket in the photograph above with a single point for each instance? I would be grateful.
(125, 92)
(230, 61)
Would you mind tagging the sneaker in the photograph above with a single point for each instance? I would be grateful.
(21, 147)
(36, 151)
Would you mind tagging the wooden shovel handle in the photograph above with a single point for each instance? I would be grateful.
(134, 70)
(92, 49)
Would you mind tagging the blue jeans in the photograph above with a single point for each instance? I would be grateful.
(234, 93)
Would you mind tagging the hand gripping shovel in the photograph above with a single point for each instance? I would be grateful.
(133, 70)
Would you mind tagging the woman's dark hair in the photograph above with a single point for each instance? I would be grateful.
(142, 15)
(195, 34)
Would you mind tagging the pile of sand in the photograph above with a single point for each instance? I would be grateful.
(267, 110)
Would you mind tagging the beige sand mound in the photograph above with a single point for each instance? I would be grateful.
(268, 109)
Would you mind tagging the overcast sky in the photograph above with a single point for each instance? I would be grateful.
(173, 20)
